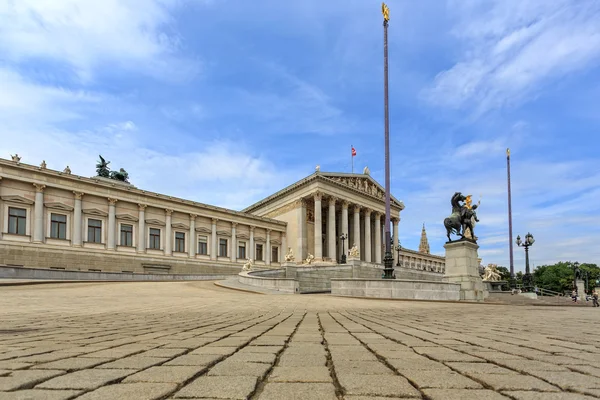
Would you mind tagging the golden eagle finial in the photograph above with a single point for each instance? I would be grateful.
(508, 152)
(385, 11)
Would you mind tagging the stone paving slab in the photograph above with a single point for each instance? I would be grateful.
(194, 340)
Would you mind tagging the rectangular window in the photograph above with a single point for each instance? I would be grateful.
(58, 226)
(203, 245)
(17, 218)
(154, 239)
(180, 242)
(242, 250)
(94, 231)
(126, 235)
(222, 247)
(259, 252)
(275, 254)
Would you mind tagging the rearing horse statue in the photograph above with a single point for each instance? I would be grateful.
(460, 219)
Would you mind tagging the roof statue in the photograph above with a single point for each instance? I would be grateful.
(121, 175)
(367, 171)
(15, 158)
(462, 218)
(318, 168)
(103, 171)
(43, 164)
(67, 170)
(424, 243)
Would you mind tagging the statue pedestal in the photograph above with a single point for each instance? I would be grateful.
(462, 267)
(494, 285)
(580, 289)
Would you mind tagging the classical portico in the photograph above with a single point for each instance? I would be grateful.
(323, 206)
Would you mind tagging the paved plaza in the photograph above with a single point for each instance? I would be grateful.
(194, 340)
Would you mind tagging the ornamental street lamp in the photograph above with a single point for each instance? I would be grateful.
(343, 238)
(398, 248)
(527, 278)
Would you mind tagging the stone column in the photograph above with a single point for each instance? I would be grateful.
(213, 240)
(38, 222)
(112, 223)
(268, 248)
(141, 245)
(283, 252)
(395, 245)
(301, 221)
(378, 238)
(347, 245)
(233, 242)
(318, 227)
(251, 249)
(192, 241)
(1, 225)
(77, 225)
(356, 223)
(331, 250)
(168, 232)
(368, 243)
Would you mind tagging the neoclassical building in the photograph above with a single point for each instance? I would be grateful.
(54, 219)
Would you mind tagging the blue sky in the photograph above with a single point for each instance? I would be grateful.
(227, 101)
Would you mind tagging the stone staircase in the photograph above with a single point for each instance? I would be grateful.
(508, 298)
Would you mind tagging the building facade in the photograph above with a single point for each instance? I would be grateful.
(53, 219)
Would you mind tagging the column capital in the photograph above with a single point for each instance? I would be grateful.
(234, 224)
(112, 201)
(318, 195)
(269, 231)
(39, 187)
(357, 208)
(214, 220)
(142, 207)
(193, 217)
(378, 214)
(283, 234)
(300, 203)
(345, 204)
(368, 212)
(78, 195)
(394, 219)
(252, 228)
(332, 200)
(168, 211)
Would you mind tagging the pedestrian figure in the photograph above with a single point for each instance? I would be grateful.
(595, 299)
(574, 296)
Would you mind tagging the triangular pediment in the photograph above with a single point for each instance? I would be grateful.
(224, 233)
(127, 217)
(242, 236)
(203, 229)
(58, 206)
(17, 199)
(95, 211)
(155, 222)
(362, 183)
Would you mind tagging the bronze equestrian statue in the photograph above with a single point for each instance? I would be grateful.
(461, 218)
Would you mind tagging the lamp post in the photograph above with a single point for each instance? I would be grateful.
(527, 278)
(398, 248)
(343, 238)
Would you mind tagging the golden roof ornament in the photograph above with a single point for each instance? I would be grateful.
(385, 11)
(508, 152)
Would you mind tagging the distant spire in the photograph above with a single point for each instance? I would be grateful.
(424, 244)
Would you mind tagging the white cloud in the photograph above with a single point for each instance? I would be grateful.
(89, 34)
(511, 48)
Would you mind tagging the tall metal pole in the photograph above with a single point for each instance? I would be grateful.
(510, 232)
(388, 259)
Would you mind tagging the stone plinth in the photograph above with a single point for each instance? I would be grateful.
(494, 285)
(462, 267)
(580, 289)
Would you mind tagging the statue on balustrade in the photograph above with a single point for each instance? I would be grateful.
(354, 252)
(248, 265)
(491, 273)
(462, 218)
(309, 259)
(289, 257)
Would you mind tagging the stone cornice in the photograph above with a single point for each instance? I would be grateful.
(93, 183)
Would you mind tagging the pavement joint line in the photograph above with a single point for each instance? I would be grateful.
(262, 382)
(380, 358)
(485, 385)
(340, 391)
(205, 370)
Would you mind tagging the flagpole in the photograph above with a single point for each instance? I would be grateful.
(352, 157)
(510, 236)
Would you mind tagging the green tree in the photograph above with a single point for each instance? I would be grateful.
(560, 276)
(504, 273)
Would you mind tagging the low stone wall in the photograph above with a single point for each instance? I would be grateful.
(256, 279)
(80, 259)
(8, 272)
(418, 275)
(396, 289)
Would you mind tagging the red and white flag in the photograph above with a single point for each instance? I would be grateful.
(353, 151)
